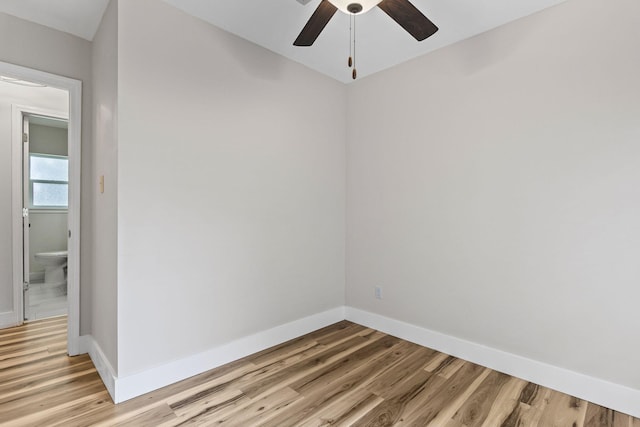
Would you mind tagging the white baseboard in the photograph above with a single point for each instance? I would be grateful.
(135, 385)
(615, 396)
(604, 393)
(87, 344)
(8, 319)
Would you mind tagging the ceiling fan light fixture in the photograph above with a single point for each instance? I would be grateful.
(343, 5)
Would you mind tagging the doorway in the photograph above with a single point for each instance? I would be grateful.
(50, 85)
(45, 212)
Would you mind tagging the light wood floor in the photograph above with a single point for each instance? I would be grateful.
(344, 374)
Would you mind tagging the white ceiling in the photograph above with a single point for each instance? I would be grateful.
(274, 24)
(78, 17)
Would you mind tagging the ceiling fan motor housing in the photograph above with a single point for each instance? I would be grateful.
(354, 8)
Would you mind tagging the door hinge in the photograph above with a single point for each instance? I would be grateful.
(25, 212)
(25, 286)
(25, 137)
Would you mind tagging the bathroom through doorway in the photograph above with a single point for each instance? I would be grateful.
(40, 125)
(45, 212)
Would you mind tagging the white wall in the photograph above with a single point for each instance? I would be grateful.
(105, 135)
(10, 94)
(493, 189)
(231, 188)
(41, 48)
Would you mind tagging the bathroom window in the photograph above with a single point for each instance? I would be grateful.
(48, 181)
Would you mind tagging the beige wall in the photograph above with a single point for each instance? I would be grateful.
(493, 189)
(231, 188)
(41, 48)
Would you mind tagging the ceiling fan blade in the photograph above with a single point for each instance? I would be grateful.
(409, 18)
(316, 24)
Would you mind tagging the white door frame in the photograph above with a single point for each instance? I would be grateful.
(74, 88)
(19, 112)
(26, 223)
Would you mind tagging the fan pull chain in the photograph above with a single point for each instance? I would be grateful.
(350, 62)
(354, 73)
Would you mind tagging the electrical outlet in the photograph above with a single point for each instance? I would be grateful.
(378, 292)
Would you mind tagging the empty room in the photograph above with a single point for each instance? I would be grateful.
(320, 212)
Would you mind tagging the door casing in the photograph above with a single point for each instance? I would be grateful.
(74, 89)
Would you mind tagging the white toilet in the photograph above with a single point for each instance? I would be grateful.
(55, 267)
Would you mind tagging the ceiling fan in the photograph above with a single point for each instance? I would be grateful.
(401, 11)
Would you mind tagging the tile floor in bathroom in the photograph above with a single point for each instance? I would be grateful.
(46, 301)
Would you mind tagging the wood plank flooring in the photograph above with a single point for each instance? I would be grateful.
(342, 375)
